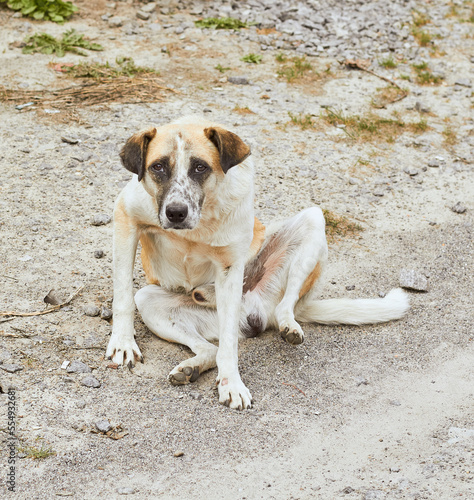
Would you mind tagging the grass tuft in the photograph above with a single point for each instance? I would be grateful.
(36, 453)
(71, 41)
(305, 122)
(125, 66)
(252, 58)
(296, 68)
(221, 23)
(339, 225)
(221, 69)
(388, 63)
(424, 76)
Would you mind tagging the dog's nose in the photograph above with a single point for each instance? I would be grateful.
(176, 213)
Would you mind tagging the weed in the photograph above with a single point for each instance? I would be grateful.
(71, 41)
(252, 58)
(296, 69)
(281, 58)
(339, 225)
(450, 137)
(125, 67)
(424, 76)
(420, 19)
(388, 63)
(387, 95)
(371, 127)
(422, 37)
(303, 121)
(36, 453)
(221, 69)
(404, 77)
(46, 10)
(222, 23)
(243, 111)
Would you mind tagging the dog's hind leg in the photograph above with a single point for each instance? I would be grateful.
(175, 317)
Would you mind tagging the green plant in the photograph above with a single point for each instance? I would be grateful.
(71, 41)
(222, 23)
(424, 76)
(252, 58)
(36, 453)
(221, 69)
(339, 225)
(125, 66)
(48, 10)
(296, 69)
(420, 19)
(303, 121)
(388, 63)
(280, 57)
(450, 137)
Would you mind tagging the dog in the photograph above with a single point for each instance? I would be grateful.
(214, 272)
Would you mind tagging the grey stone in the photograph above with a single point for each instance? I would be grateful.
(149, 7)
(115, 22)
(126, 491)
(91, 310)
(101, 219)
(78, 367)
(91, 382)
(144, 16)
(238, 80)
(422, 107)
(459, 208)
(195, 395)
(374, 495)
(98, 254)
(411, 171)
(103, 426)
(11, 368)
(105, 313)
(463, 82)
(434, 163)
(70, 139)
(413, 280)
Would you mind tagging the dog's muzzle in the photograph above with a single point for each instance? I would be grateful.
(176, 215)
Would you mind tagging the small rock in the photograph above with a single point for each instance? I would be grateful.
(70, 139)
(91, 382)
(361, 381)
(413, 280)
(347, 490)
(125, 491)
(394, 469)
(195, 395)
(395, 402)
(459, 208)
(374, 495)
(434, 163)
(144, 16)
(411, 171)
(65, 365)
(115, 22)
(149, 7)
(81, 404)
(103, 426)
(353, 181)
(238, 80)
(91, 310)
(98, 254)
(82, 156)
(178, 453)
(101, 219)
(421, 107)
(11, 368)
(78, 367)
(379, 192)
(105, 313)
(350, 287)
(463, 82)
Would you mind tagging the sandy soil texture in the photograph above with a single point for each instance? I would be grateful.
(375, 412)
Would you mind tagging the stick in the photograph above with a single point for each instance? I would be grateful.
(46, 311)
(294, 387)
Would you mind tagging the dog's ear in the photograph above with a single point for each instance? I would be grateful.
(232, 150)
(133, 154)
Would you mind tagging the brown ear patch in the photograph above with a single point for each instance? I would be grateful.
(232, 150)
(133, 154)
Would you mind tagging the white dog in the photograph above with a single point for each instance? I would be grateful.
(215, 273)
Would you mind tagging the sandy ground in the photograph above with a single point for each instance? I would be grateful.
(376, 412)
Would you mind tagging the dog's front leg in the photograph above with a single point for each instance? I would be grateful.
(232, 391)
(122, 348)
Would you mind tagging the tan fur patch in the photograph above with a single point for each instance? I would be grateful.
(122, 222)
(147, 256)
(310, 280)
(258, 237)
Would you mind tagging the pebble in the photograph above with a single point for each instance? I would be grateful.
(115, 22)
(91, 382)
(413, 280)
(350, 287)
(411, 171)
(91, 310)
(195, 395)
(434, 163)
(178, 453)
(65, 365)
(78, 367)
(105, 313)
(144, 16)
(70, 139)
(126, 491)
(238, 80)
(422, 107)
(149, 7)
(101, 219)
(463, 82)
(98, 254)
(459, 208)
(11, 368)
(103, 426)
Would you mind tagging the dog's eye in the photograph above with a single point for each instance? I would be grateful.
(199, 169)
(157, 167)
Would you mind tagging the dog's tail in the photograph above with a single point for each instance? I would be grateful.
(354, 311)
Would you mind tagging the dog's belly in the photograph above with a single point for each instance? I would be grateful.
(175, 263)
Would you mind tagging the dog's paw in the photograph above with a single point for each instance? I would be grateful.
(123, 351)
(233, 393)
(183, 374)
(292, 333)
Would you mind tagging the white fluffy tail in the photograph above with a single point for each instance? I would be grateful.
(354, 311)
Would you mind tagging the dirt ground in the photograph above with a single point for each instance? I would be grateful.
(373, 412)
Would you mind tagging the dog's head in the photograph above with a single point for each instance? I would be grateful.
(180, 164)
